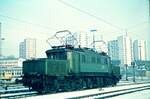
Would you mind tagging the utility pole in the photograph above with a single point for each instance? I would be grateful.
(125, 53)
(94, 30)
(0, 42)
(133, 65)
(126, 66)
(140, 58)
(86, 39)
(1, 39)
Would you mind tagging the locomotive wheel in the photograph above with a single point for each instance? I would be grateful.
(89, 83)
(84, 84)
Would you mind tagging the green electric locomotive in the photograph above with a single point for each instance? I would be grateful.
(67, 68)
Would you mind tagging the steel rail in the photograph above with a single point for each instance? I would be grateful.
(123, 93)
(16, 95)
(130, 90)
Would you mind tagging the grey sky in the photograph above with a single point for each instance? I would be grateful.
(42, 18)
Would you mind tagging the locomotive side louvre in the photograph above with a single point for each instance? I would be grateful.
(82, 62)
(56, 67)
(92, 64)
(46, 67)
(34, 66)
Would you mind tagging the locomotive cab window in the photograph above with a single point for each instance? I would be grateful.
(58, 55)
(83, 58)
(104, 60)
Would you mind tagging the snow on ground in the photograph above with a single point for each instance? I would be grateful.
(84, 92)
(136, 95)
(137, 80)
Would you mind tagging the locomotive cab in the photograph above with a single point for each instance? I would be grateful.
(58, 52)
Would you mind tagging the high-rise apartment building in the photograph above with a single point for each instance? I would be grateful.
(139, 50)
(84, 39)
(113, 50)
(22, 50)
(147, 44)
(27, 49)
(125, 50)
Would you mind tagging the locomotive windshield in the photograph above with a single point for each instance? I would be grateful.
(58, 55)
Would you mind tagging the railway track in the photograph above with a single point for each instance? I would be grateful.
(122, 92)
(104, 93)
(113, 93)
(18, 95)
(134, 83)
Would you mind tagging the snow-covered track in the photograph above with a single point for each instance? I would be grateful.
(17, 95)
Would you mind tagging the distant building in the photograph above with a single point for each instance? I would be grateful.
(22, 50)
(113, 50)
(84, 39)
(27, 49)
(147, 50)
(125, 51)
(10, 73)
(87, 40)
(10, 68)
(8, 62)
(139, 50)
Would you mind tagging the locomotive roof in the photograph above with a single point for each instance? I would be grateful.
(55, 50)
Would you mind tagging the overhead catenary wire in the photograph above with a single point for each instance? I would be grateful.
(91, 15)
(26, 22)
(78, 9)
